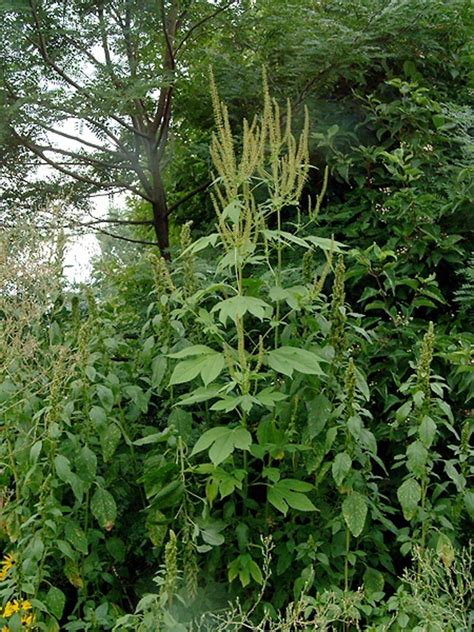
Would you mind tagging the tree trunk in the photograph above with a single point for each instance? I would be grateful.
(160, 224)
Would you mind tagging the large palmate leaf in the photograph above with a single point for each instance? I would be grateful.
(290, 492)
(201, 360)
(286, 360)
(236, 307)
(222, 441)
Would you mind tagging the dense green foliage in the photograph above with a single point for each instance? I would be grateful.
(271, 431)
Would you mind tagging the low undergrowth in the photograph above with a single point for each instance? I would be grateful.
(240, 440)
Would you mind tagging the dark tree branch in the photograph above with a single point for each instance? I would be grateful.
(201, 23)
(169, 44)
(72, 174)
(129, 239)
(78, 139)
(115, 222)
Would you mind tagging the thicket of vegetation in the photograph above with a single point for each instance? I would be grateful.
(263, 421)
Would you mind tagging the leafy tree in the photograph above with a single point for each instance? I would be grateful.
(87, 89)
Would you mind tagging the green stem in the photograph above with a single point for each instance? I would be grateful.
(346, 561)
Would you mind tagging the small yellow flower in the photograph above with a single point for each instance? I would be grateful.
(5, 628)
(10, 608)
(6, 564)
(27, 619)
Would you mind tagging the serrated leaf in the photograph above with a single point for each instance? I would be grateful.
(354, 511)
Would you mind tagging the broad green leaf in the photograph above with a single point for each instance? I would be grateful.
(319, 410)
(402, 413)
(469, 503)
(283, 237)
(286, 360)
(457, 478)
(417, 455)
(139, 397)
(201, 394)
(87, 465)
(208, 438)
(354, 511)
(293, 296)
(62, 466)
(155, 437)
(222, 448)
(158, 367)
(109, 441)
(208, 366)
(98, 416)
(409, 495)
(200, 244)
(340, 467)
(269, 397)
(106, 397)
(445, 550)
(325, 244)
(103, 508)
(373, 581)
(35, 451)
(232, 211)
(55, 601)
(76, 536)
(427, 431)
(212, 368)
